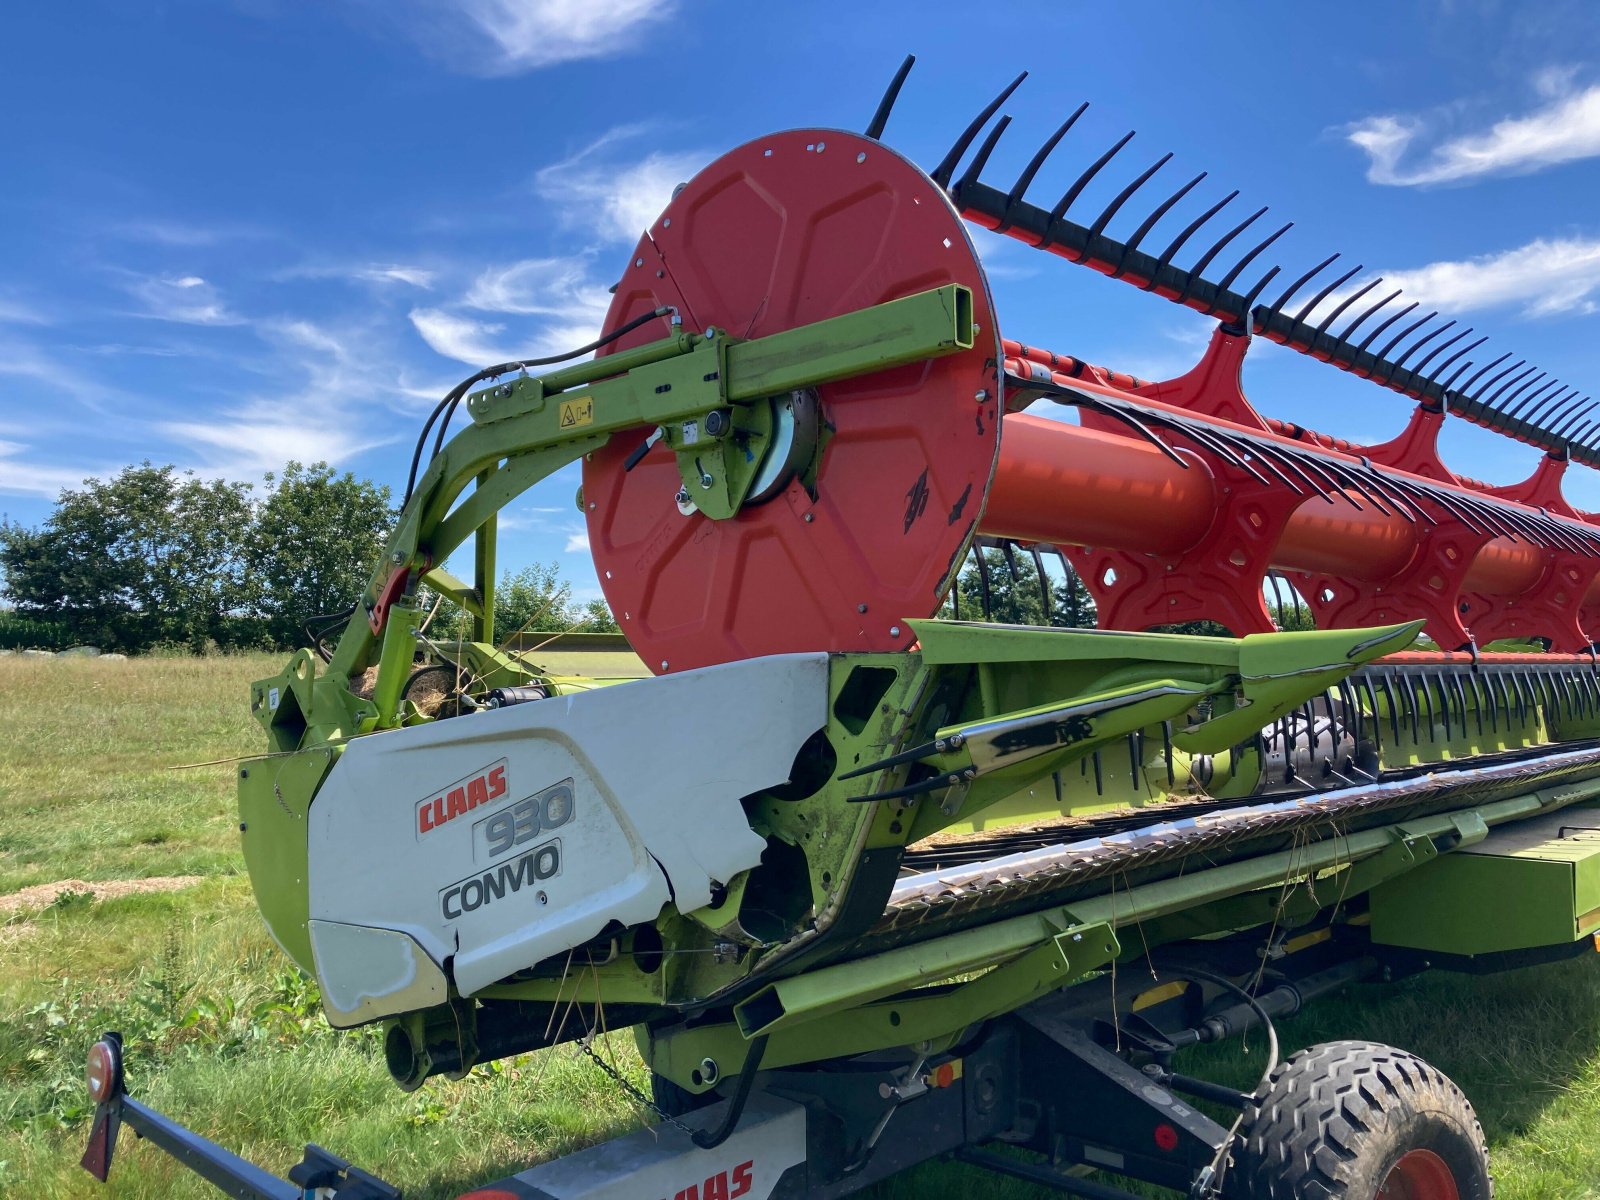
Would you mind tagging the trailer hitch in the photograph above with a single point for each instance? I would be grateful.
(319, 1175)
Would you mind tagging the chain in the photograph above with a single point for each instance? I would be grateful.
(585, 1045)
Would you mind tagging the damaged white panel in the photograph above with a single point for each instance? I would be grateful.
(507, 837)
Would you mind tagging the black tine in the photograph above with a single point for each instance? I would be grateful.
(1450, 383)
(1166, 752)
(1364, 681)
(1020, 187)
(1514, 367)
(1405, 333)
(1302, 281)
(1186, 234)
(1465, 350)
(1382, 325)
(1119, 200)
(1518, 382)
(1346, 303)
(1204, 260)
(1523, 406)
(881, 117)
(1261, 286)
(1329, 290)
(1571, 425)
(1082, 181)
(1415, 346)
(941, 174)
(985, 595)
(970, 175)
(1044, 583)
(1135, 758)
(1484, 371)
(1444, 701)
(1149, 222)
(1099, 776)
(1277, 594)
(1351, 328)
(1394, 707)
(1539, 415)
(1227, 280)
(1439, 349)
(1427, 698)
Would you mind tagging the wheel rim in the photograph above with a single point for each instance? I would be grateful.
(1419, 1175)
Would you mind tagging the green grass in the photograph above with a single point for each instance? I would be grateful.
(224, 1036)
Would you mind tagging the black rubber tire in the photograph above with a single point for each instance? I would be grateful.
(1333, 1120)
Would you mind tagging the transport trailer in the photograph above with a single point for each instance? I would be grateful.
(872, 883)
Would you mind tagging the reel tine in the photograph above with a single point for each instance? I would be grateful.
(880, 118)
(1302, 281)
(1082, 181)
(1417, 345)
(1328, 291)
(1540, 414)
(1477, 397)
(1442, 367)
(1250, 296)
(1450, 383)
(1568, 426)
(1523, 406)
(1388, 321)
(1467, 386)
(1186, 233)
(1405, 333)
(1227, 280)
(1020, 187)
(1160, 211)
(1529, 377)
(1351, 328)
(941, 174)
(1205, 259)
(1118, 201)
(979, 160)
(1439, 349)
(1346, 303)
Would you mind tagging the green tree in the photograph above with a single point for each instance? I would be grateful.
(534, 599)
(148, 556)
(314, 543)
(1006, 588)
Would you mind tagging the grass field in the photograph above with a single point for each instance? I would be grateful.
(225, 1036)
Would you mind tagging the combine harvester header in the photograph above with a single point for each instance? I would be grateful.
(873, 887)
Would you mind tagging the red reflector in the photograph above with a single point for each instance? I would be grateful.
(101, 1072)
(944, 1076)
(489, 1194)
(1166, 1137)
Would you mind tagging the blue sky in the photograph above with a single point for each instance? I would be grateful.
(232, 233)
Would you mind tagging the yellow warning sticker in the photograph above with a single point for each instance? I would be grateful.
(577, 413)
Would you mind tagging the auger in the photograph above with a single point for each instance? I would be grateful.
(872, 885)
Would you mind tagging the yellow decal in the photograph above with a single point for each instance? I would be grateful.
(576, 413)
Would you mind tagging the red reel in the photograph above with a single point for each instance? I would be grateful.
(784, 231)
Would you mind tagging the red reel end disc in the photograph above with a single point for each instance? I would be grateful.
(781, 232)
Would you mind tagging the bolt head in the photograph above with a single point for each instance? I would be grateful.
(398, 557)
(894, 631)
(981, 395)
(810, 517)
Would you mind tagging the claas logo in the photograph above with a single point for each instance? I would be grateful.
(480, 788)
(724, 1185)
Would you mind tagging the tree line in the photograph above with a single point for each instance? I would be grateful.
(157, 557)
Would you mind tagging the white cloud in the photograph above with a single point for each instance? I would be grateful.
(185, 299)
(577, 543)
(507, 37)
(1566, 128)
(180, 233)
(458, 337)
(619, 201)
(254, 439)
(1544, 277)
(379, 273)
(26, 476)
(544, 286)
(19, 312)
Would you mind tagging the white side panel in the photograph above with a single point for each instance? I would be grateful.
(371, 973)
(504, 838)
(662, 1161)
